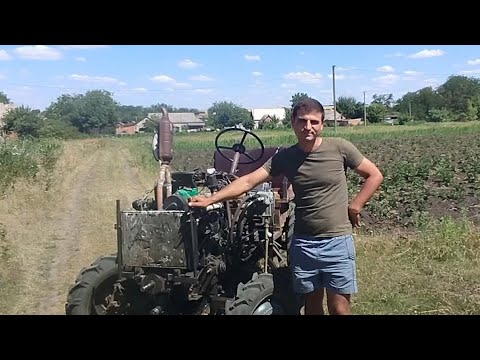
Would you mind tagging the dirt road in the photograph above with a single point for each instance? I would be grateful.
(73, 221)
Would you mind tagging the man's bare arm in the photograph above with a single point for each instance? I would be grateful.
(235, 189)
(373, 179)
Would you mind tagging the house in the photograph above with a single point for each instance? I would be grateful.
(183, 121)
(391, 119)
(4, 109)
(341, 120)
(262, 115)
(126, 128)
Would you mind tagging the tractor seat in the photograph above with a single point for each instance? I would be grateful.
(222, 164)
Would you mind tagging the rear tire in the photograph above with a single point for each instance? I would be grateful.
(95, 284)
(265, 294)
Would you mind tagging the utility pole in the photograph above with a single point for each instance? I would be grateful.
(410, 109)
(364, 110)
(334, 99)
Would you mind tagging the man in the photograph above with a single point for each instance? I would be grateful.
(322, 252)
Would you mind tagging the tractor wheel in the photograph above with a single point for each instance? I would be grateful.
(265, 294)
(97, 292)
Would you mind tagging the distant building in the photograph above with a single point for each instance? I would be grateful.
(341, 120)
(126, 129)
(183, 121)
(263, 115)
(4, 109)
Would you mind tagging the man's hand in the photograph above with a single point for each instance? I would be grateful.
(200, 201)
(354, 216)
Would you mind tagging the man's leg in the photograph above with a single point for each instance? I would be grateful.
(314, 302)
(340, 275)
(338, 304)
(306, 273)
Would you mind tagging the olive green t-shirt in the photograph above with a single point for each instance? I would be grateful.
(319, 182)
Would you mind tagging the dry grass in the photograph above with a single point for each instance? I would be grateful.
(52, 234)
(433, 272)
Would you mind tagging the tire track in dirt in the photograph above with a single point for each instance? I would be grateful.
(83, 225)
(67, 228)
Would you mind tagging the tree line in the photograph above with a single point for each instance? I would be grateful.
(96, 112)
(458, 99)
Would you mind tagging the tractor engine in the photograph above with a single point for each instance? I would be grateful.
(199, 243)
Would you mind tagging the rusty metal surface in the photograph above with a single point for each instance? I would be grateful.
(155, 238)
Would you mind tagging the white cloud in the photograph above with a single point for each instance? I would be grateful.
(170, 81)
(182, 85)
(4, 55)
(252, 57)
(81, 59)
(469, 62)
(139, 89)
(304, 77)
(203, 91)
(432, 82)
(201, 78)
(38, 52)
(96, 79)
(257, 73)
(82, 47)
(412, 72)
(163, 79)
(411, 75)
(188, 64)
(337, 76)
(386, 68)
(427, 54)
(470, 72)
(387, 79)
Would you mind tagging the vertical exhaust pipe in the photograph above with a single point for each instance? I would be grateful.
(165, 142)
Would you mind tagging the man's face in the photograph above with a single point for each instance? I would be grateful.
(307, 126)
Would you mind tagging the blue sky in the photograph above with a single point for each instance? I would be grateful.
(250, 76)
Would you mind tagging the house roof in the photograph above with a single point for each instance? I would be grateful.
(258, 114)
(329, 115)
(180, 118)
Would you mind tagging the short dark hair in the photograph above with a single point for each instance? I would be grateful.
(308, 105)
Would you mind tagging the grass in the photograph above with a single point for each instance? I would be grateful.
(27, 159)
(191, 141)
(435, 271)
(432, 270)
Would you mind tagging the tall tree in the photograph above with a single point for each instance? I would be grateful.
(4, 98)
(24, 121)
(456, 92)
(225, 114)
(420, 103)
(297, 97)
(349, 107)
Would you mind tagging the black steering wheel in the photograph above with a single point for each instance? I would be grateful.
(239, 148)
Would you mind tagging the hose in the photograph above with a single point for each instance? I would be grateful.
(237, 214)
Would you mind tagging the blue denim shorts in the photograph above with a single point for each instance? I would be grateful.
(323, 263)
